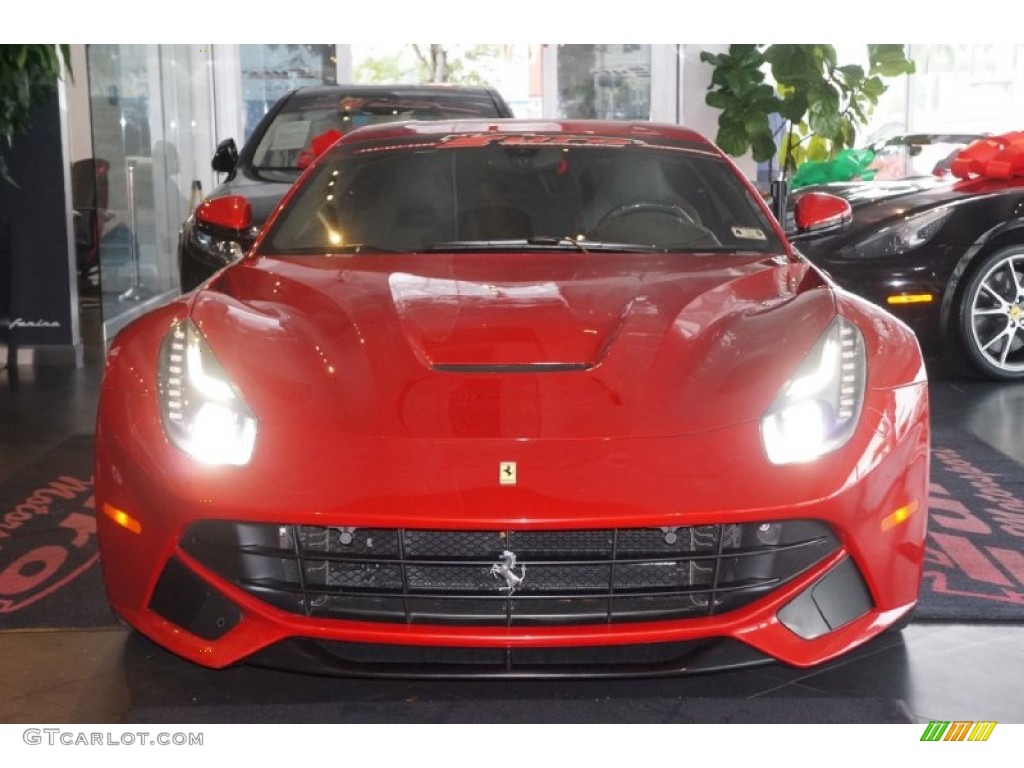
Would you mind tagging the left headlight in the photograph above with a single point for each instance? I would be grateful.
(202, 412)
(911, 233)
(220, 250)
(817, 411)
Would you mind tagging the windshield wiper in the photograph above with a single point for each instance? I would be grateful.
(541, 242)
(364, 248)
(555, 241)
(334, 250)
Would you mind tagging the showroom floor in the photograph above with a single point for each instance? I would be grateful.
(934, 671)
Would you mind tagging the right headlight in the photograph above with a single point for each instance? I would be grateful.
(912, 232)
(818, 409)
(203, 413)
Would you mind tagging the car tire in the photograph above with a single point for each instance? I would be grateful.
(991, 315)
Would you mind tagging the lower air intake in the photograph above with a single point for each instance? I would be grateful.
(509, 577)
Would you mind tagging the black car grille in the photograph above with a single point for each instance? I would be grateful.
(470, 577)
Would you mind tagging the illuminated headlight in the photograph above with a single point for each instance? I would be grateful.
(203, 414)
(817, 411)
(219, 250)
(910, 233)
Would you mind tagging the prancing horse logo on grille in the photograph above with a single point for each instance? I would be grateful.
(505, 568)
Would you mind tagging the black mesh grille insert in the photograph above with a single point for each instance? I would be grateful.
(510, 577)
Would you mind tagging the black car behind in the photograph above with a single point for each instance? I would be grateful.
(947, 258)
(280, 147)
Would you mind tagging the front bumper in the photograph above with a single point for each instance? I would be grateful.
(713, 479)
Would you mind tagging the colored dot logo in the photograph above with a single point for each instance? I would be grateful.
(961, 730)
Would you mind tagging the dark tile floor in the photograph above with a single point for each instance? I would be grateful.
(934, 671)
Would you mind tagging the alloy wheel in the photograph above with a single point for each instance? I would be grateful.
(994, 315)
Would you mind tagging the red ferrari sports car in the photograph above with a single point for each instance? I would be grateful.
(515, 398)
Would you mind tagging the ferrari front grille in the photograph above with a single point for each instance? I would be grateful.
(509, 577)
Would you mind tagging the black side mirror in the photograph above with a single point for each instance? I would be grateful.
(226, 156)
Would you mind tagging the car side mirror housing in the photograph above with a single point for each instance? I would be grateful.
(233, 212)
(819, 213)
(226, 157)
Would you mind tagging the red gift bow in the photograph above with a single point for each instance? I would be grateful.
(317, 146)
(994, 157)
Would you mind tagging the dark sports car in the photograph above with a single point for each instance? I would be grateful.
(282, 145)
(515, 398)
(947, 257)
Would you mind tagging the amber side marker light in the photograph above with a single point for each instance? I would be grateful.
(900, 516)
(122, 518)
(911, 298)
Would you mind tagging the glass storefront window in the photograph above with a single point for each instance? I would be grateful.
(119, 91)
(606, 82)
(270, 71)
(514, 69)
(151, 108)
(154, 129)
(967, 87)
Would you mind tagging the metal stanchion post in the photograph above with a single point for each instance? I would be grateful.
(136, 291)
(780, 200)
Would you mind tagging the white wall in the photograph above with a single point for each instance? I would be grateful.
(694, 112)
(76, 91)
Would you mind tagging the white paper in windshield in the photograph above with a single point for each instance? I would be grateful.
(291, 135)
(749, 233)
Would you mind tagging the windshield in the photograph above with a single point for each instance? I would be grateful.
(302, 119)
(516, 192)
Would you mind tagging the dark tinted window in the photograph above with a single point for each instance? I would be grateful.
(497, 196)
(304, 117)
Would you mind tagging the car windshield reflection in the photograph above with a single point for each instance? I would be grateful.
(285, 147)
(426, 196)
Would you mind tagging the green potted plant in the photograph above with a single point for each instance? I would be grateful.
(28, 76)
(794, 103)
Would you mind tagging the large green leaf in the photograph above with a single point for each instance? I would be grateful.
(755, 123)
(826, 123)
(732, 139)
(849, 133)
(873, 88)
(739, 81)
(746, 55)
(823, 111)
(794, 107)
(817, 149)
(720, 99)
(853, 75)
(889, 60)
(762, 146)
(828, 53)
(714, 59)
(793, 63)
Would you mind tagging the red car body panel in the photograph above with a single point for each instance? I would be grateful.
(667, 366)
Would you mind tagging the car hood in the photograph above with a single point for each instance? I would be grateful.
(513, 345)
(865, 193)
